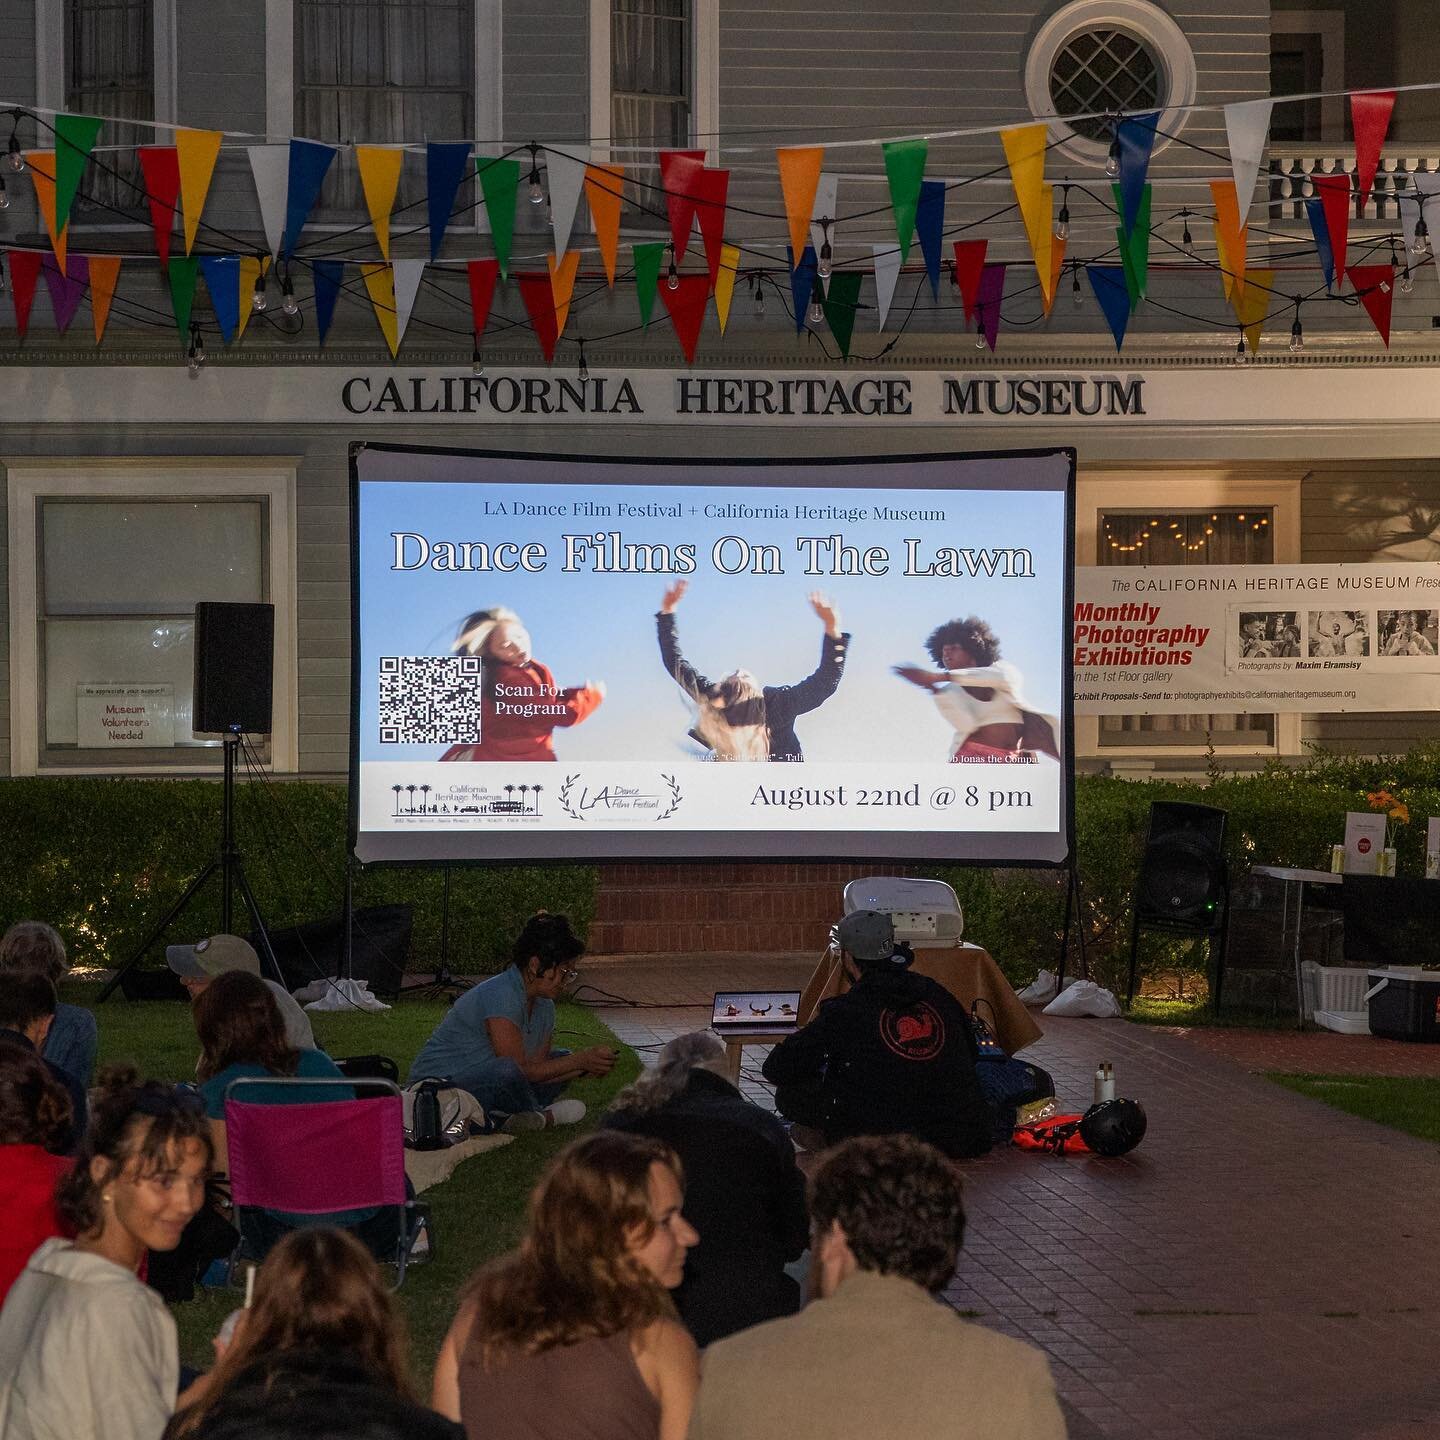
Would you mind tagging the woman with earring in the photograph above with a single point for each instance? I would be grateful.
(87, 1350)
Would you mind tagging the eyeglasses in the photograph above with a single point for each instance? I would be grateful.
(570, 975)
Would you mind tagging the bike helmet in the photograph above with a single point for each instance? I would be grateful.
(1113, 1127)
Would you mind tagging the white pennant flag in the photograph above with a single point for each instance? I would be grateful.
(1426, 184)
(270, 165)
(825, 190)
(566, 175)
(1247, 128)
(407, 275)
(887, 272)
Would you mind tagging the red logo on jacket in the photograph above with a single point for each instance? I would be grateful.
(917, 1033)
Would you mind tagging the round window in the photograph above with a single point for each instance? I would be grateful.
(1097, 57)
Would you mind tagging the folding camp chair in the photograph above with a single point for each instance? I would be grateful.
(317, 1156)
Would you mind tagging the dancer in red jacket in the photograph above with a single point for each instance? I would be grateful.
(520, 704)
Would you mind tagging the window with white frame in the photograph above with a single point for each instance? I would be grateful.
(108, 564)
(651, 49)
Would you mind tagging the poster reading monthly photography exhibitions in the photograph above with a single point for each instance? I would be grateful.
(1158, 640)
(559, 657)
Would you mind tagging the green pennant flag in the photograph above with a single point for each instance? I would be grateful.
(1135, 247)
(904, 168)
(647, 260)
(182, 291)
(74, 139)
(499, 180)
(841, 301)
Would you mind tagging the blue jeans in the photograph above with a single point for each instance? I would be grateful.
(501, 1087)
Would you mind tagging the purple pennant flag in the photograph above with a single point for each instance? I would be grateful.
(67, 290)
(988, 295)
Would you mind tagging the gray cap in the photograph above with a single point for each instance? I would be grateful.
(867, 935)
(206, 959)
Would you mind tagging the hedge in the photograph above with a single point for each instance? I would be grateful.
(101, 858)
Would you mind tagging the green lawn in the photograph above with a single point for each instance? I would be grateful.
(1410, 1103)
(477, 1213)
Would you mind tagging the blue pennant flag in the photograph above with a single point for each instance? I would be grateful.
(222, 280)
(328, 274)
(1108, 283)
(802, 282)
(445, 167)
(930, 226)
(309, 162)
(1136, 137)
(1315, 212)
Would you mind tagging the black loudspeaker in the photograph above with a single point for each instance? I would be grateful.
(234, 666)
(1182, 884)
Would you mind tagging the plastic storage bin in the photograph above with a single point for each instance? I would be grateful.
(1336, 989)
(1405, 1003)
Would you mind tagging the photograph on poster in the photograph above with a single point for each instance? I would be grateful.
(1338, 632)
(1269, 635)
(561, 657)
(1408, 633)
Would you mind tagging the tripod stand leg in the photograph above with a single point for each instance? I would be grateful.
(268, 962)
(172, 914)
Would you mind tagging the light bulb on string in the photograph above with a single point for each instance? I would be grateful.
(1420, 244)
(1297, 338)
(1062, 225)
(1242, 355)
(1187, 240)
(1077, 296)
(4, 195)
(259, 299)
(1407, 280)
(815, 315)
(583, 373)
(288, 303)
(672, 275)
(14, 157)
(824, 265)
(980, 341)
(536, 190)
(195, 355)
(477, 360)
(1112, 160)
(759, 298)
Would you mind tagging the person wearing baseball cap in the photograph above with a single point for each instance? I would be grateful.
(198, 964)
(894, 1054)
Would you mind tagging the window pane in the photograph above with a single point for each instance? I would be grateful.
(649, 96)
(147, 558)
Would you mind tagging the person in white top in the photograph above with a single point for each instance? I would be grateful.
(87, 1350)
(978, 693)
(1405, 638)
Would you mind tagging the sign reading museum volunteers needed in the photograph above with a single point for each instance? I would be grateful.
(1158, 640)
(558, 657)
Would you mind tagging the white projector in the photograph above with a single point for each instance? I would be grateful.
(925, 913)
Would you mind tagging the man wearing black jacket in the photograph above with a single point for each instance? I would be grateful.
(894, 1054)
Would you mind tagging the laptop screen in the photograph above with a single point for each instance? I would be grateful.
(755, 1009)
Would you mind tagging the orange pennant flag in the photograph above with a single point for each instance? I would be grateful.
(252, 267)
(104, 272)
(1025, 148)
(380, 283)
(604, 192)
(42, 172)
(725, 282)
(1231, 238)
(379, 167)
(1252, 306)
(562, 284)
(799, 176)
(196, 151)
(1057, 264)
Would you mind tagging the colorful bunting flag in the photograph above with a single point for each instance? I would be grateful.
(886, 259)
(1247, 131)
(379, 281)
(802, 284)
(1334, 193)
(987, 302)
(1058, 246)
(1108, 283)
(1135, 246)
(1315, 213)
(1370, 120)
(408, 274)
(562, 284)
(1375, 288)
(74, 140)
(1025, 147)
(380, 167)
(969, 263)
(827, 192)
(1231, 237)
(196, 152)
(445, 164)
(841, 302)
(686, 304)
(725, 283)
(482, 275)
(499, 184)
(566, 176)
(104, 273)
(160, 170)
(646, 259)
(41, 165)
(930, 227)
(799, 177)
(1252, 306)
(538, 294)
(604, 192)
(251, 268)
(1135, 138)
(678, 172)
(222, 280)
(904, 169)
(24, 272)
(270, 168)
(709, 188)
(66, 287)
(182, 275)
(327, 275)
(309, 163)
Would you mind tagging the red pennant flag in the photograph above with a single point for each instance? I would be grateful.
(1375, 287)
(679, 169)
(24, 272)
(969, 266)
(710, 189)
(160, 165)
(686, 305)
(482, 274)
(539, 298)
(1334, 193)
(1370, 116)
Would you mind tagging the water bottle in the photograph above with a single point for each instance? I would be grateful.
(425, 1126)
(1104, 1082)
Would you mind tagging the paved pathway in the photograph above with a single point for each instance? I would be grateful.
(1261, 1268)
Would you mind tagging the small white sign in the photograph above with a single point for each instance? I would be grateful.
(1364, 841)
(114, 715)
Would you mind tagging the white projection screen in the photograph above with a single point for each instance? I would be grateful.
(518, 693)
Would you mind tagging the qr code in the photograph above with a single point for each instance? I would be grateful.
(429, 699)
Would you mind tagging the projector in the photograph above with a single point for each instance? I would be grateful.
(925, 913)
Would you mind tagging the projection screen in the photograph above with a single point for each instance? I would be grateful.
(561, 658)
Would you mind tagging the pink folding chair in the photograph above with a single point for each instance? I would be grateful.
(319, 1156)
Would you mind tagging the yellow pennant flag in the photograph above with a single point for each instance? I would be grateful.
(562, 284)
(604, 192)
(252, 267)
(725, 282)
(197, 152)
(104, 272)
(1252, 305)
(1057, 264)
(380, 283)
(379, 167)
(42, 172)
(1025, 148)
(1231, 238)
(799, 178)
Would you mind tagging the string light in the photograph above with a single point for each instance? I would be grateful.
(1187, 240)
(1407, 281)
(1077, 297)
(584, 371)
(759, 297)
(477, 361)
(1062, 227)
(1112, 160)
(980, 340)
(1242, 354)
(1297, 337)
(672, 275)
(536, 190)
(823, 266)
(288, 303)
(259, 299)
(195, 355)
(14, 157)
(815, 315)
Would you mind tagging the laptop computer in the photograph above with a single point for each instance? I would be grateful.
(755, 1010)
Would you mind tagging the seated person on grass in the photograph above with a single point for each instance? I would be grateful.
(495, 1040)
(74, 1036)
(198, 964)
(27, 1011)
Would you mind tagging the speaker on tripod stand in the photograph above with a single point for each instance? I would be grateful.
(1184, 885)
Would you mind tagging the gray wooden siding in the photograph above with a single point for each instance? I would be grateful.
(546, 73)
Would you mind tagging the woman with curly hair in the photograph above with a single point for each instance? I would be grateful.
(978, 693)
(574, 1334)
(87, 1350)
(520, 705)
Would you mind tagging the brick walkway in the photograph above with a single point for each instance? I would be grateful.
(1260, 1269)
(1315, 1052)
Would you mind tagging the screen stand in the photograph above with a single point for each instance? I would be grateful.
(443, 983)
(1073, 910)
